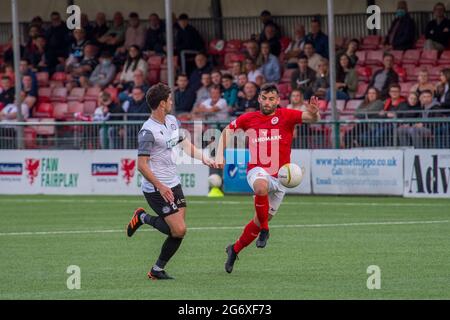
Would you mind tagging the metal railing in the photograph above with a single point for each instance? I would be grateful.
(366, 133)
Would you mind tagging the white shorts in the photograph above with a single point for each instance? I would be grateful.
(276, 189)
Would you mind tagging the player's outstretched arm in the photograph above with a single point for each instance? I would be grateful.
(221, 146)
(145, 170)
(311, 114)
(197, 153)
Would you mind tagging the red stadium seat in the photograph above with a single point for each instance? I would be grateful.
(44, 94)
(153, 76)
(429, 57)
(233, 45)
(352, 105)
(92, 93)
(374, 57)
(398, 56)
(285, 90)
(60, 110)
(361, 91)
(75, 107)
(233, 57)
(444, 59)
(361, 57)
(405, 88)
(287, 73)
(59, 95)
(42, 78)
(323, 105)
(434, 73)
(43, 110)
(55, 84)
(155, 62)
(420, 42)
(113, 92)
(411, 56)
(59, 76)
(364, 73)
(284, 41)
(77, 94)
(340, 105)
(217, 47)
(45, 130)
(371, 42)
(412, 73)
(401, 72)
(89, 107)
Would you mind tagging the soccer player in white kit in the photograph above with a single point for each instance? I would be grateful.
(161, 183)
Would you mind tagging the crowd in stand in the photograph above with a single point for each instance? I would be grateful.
(120, 61)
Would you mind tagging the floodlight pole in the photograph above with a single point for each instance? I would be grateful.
(18, 83)
(169, 42)
(332, 63)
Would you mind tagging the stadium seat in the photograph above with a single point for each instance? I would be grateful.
(155, 62)
(42, 78)
(340, 105)
(75, 107)
(434, 73)
(405, 88)
(374, 57)
(59, 76)
(153, 76)
(59, 95)
(92, 93)
(55, 84)
(231, 57)
(412, 73)
(89, 107)
(287, 73)
(233, 45)
(284, 41)
(401, 72)
(60, 110)
(398, 56)
(371, 42)
(429, 57)
(44, 94)
(43, 110)
(361, 90)
(45, 130)
(114, 93)
(352, 105)
(285, 90)
(77, 94)
(284, 103)
(411, 56)
(444, 59)
(364, 73)
(323, 105)
(217, 47)
(361, 57)
(420, 43)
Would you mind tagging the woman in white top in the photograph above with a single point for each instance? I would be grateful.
(134, 61)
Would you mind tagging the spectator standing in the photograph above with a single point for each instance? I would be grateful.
(401, 34)
(318, 38)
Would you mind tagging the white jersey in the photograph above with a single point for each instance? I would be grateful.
(157, 141)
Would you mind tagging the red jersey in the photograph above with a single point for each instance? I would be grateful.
(270, 137)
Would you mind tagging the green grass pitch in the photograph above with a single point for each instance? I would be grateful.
(320, 248)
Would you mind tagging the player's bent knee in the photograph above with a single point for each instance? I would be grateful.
(179, 232)
(261, 191)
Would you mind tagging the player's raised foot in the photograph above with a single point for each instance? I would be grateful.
(262, 239)
(158, 275)
(135, 222)
(231, 258)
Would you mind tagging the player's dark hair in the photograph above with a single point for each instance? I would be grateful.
(269, 87)
(157, 93)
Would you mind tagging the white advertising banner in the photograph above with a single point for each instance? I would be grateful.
(357, 171)
(427, 173)
(85, 172)
(303, 159)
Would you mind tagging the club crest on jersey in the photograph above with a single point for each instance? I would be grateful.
(274, 120)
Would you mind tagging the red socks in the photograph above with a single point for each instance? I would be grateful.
(262, 211)
(250, 233)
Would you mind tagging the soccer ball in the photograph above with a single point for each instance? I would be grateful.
(215, 180)
(290, 175)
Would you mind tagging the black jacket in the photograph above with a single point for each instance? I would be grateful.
(392, 77)
(438, 32)
(188, 39)
(405, 36)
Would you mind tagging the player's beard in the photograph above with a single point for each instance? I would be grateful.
(266, 110)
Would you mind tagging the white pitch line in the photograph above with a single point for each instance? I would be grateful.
(313, 203)
(325, 225)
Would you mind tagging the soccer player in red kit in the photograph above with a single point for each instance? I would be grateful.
(270, 133)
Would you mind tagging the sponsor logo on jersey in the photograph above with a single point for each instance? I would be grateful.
(32, 169)
(165, 209)
(11, 169)
(264, 139)
(105, 169)
(128, 167)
